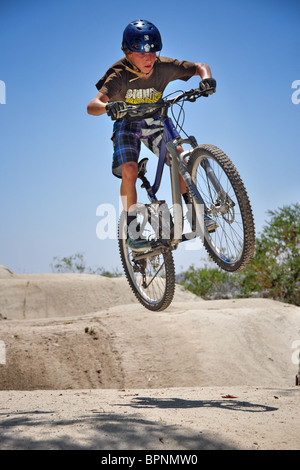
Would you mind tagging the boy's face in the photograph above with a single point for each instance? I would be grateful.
(144, 61)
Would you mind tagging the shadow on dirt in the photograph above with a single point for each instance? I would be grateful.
(98, 430)
(102, 431)
(227, 404)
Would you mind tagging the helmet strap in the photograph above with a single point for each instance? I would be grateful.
(135, 70)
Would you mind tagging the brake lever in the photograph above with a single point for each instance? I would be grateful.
(192, 95)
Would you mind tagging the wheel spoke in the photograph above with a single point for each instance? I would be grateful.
(232, 244)
(152, 278)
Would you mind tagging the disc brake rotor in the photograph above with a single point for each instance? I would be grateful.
(225, 207)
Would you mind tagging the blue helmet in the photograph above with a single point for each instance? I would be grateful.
(141, 36)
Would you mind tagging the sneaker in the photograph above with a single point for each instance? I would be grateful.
(210, 223)
(138, 244)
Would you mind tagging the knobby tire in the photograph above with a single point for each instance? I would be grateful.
(161, 289)
(213, 242)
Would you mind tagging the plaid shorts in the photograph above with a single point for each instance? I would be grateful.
(127, 137)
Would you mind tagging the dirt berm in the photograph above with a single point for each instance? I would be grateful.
(85, 366)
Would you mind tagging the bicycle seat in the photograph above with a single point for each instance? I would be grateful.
(142, 166)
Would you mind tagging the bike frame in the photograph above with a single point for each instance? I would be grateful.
(169, 145)
(164, 227)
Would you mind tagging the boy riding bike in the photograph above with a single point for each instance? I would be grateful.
(140, 77)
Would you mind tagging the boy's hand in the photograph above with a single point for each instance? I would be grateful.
(116, 109)
(208, 83)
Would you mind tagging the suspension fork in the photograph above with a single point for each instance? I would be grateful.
(223, 197)
(180, 167)
(211, 175)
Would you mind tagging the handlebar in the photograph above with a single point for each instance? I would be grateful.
(140, 109)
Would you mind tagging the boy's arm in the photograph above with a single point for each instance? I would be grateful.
(97, 106)
(203, 70)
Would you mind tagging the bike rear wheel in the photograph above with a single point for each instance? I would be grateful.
(231, 246)
(151, 275)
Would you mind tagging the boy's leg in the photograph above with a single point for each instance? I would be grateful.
(128, 189)
(126, 152)
(129, 200)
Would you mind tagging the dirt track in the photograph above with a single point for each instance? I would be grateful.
(88, 367)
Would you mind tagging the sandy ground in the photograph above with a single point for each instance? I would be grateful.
(85, 366)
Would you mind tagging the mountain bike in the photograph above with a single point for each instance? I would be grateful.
(214, 189)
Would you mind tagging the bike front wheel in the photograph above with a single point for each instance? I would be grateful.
(151, 275)
(231, 245)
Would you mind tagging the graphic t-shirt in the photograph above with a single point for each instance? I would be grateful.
(117, 86)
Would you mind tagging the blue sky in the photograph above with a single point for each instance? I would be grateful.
(55, 159)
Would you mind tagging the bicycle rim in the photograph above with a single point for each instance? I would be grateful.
(231, 246)
(151, 276)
